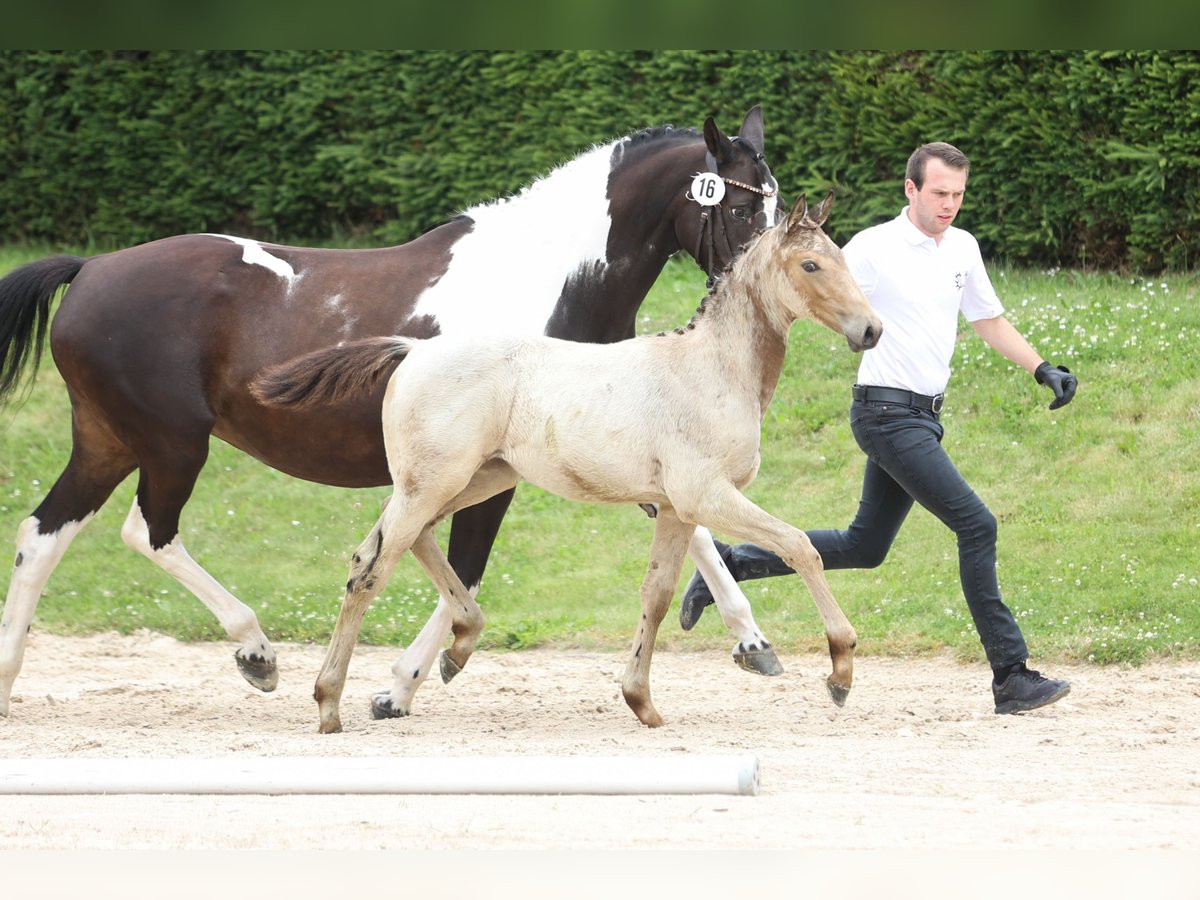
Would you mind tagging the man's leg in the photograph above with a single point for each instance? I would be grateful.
(863, 545)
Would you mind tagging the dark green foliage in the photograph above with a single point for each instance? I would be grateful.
(1080, 158)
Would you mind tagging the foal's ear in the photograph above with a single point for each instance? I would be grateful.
(752, 129)
(816, 217)
(799, 212)
(720, 148)
(821, 213)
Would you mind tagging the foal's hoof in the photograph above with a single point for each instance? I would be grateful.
(763, 661)
(449, 668)
(382, 707)
(837, 692)
(258, 670)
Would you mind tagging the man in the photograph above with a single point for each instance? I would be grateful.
(919, 273)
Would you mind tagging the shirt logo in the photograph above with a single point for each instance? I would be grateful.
(960, 278)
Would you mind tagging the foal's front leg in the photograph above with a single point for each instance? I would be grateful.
(670, 543)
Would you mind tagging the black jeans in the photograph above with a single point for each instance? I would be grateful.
(906, 462)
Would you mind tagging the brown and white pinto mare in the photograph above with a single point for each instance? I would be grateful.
(671, 420)
(157, 343)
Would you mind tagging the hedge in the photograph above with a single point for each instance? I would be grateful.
(1086, 158)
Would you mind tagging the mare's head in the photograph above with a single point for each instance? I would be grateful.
(738, 196)
(806, 273)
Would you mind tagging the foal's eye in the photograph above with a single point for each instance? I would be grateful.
(809, 265)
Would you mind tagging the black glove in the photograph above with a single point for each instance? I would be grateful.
(1060, 380)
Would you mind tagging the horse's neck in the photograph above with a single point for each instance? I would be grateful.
(645, 194)
(747, 343)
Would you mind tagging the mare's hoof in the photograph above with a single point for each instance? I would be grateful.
(383, 708)
(334, 726)
(449, 668)
(258, 670)
(763, 661)
(837, 692)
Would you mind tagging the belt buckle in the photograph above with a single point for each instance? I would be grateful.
(936, 406)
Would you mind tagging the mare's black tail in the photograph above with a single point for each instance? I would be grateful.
(25, 295)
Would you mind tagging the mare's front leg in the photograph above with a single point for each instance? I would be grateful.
(456, 610)
(753, 652)
(725, 509)
(670, 543)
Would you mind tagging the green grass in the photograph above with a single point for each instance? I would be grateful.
(1099, 505)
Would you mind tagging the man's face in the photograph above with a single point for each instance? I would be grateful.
(934, 206)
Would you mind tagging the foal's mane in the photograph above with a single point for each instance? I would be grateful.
(718, 292)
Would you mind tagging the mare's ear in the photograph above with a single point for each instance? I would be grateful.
(752, 129)
(720, 148)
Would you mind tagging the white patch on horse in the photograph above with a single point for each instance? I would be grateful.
(335, 308)
(555, 226)
(771, 189)
(253, 254)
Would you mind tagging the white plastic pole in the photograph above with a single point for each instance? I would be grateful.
(684, 774)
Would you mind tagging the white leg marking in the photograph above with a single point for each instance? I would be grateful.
(731, 603)
(238, 620)
(37, 556)
(414, 666)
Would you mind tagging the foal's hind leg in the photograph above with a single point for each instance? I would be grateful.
(494, 480)
(370, 568)
(753, 652)
(671, 538)
(457, 604)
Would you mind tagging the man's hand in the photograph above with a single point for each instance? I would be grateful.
(1060, 380)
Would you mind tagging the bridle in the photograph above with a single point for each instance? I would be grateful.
(706, 238)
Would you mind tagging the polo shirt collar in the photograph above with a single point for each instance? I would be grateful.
(911, 232)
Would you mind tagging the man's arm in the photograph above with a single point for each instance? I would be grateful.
(1003, 337)
(999, 334)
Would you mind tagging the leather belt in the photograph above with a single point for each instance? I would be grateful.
(871, 394)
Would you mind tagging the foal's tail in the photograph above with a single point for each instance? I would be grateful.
(25, 296)
(333, 373)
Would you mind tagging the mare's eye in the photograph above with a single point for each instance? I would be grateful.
(740, 213)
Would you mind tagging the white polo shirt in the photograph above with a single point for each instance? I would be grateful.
(918, 287)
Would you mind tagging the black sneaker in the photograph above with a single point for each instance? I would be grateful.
(1026, 689)
(695, 598)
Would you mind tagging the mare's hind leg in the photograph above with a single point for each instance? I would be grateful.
(457, 604)
(152, 529)
(670, 544)
(753, 652)
(97, 465)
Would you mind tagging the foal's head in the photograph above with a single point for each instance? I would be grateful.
(807, 274)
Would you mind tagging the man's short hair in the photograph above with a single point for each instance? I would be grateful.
(947, 153)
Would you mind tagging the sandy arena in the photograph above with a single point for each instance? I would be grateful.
(916, 760)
